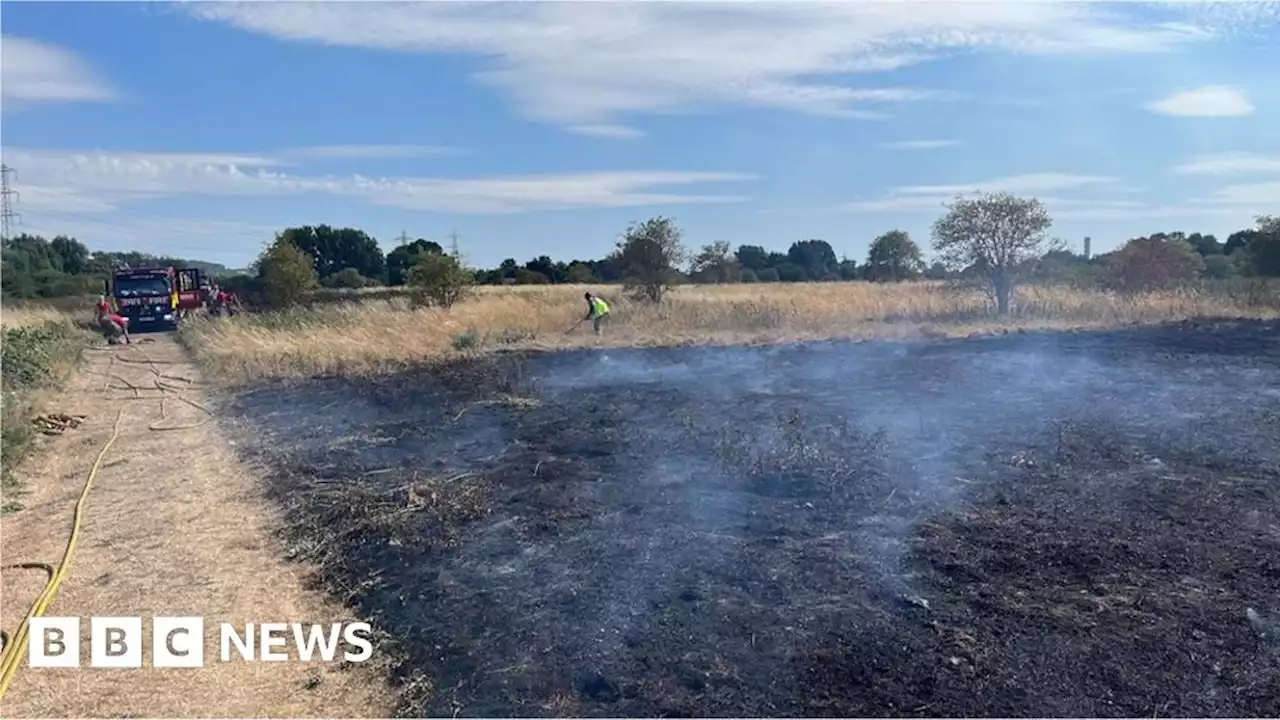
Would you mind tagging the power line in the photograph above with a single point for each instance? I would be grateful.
(8, 217)
(404, 238)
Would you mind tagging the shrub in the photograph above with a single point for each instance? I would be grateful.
(1145, 264)
(439, 280)
(349, 278)
(31, 358)
(287, 273)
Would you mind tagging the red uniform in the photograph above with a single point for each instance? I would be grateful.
(104, 310)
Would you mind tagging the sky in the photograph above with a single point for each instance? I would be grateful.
(545, 128)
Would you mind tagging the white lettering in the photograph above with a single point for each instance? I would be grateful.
(306, 648)
(272, 636)
(357, 634)
(243, 645)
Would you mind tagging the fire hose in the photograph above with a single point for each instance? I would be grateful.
(15, 647)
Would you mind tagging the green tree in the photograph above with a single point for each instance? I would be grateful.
(400, 259)
(814, 257)
(1238, 240)
(992, 235)
(849, 269)
(1219, 267)
(71, 254)
(1264, 246)
(648, 256)
(790, 272)
(440, 279)
(543, 265)
(752, 257)
(580, 273)
(893, 257)
(286, 273)
(334, 249)
(1206, 245)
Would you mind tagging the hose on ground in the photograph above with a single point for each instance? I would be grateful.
(15, 647)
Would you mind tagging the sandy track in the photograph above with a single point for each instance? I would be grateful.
(175, 525)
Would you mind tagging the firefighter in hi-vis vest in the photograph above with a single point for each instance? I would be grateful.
(597, 311)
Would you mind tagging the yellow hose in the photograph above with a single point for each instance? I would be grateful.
(14, 649)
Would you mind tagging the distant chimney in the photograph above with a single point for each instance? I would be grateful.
(1086, 248)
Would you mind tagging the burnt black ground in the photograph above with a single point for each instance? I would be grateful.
(1041, 524)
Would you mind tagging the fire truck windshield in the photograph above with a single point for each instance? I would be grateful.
(140, 286)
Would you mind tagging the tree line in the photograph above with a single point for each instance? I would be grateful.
(997, 240)
(350, 258)
(33, 267)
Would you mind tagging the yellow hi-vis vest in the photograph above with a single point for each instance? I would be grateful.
(598, 307)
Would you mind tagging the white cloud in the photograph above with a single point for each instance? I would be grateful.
(70, 181)
(365, 152)
(1264, 195)
(218, 241)
(1235, 163)
(583, 64)
(919, 144)
(32, 71)
(922, 197)
(1208, 101)
(1030, 182)
(617, 132)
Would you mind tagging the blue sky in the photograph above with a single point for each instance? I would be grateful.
(199, 129)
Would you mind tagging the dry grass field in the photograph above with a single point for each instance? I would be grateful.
(372, 335)
(32, 316)
(1018, 523)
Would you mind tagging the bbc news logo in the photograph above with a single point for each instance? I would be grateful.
(179, 642)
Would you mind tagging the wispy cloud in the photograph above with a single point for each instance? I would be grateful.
(218, 241)
(583, 64)
(922, 197)
(1235, 163)
(70, 181)
(616, 132)
(919, 144)
(32, 71)
(1265, 196)
(1208, 101)
(370, 152)
(1030, 182)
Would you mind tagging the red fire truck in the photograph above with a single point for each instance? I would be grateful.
(154, 297)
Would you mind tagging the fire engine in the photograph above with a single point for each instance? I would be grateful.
(154, 297)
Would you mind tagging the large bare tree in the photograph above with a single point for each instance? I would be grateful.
(992, 236)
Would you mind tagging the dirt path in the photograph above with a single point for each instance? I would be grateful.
(174, 526)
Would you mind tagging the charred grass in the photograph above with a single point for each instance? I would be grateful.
(1066, 525)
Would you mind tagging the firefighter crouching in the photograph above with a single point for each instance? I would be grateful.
(114, 326)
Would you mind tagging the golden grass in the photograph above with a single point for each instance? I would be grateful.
(31, 316)
(383, 334)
